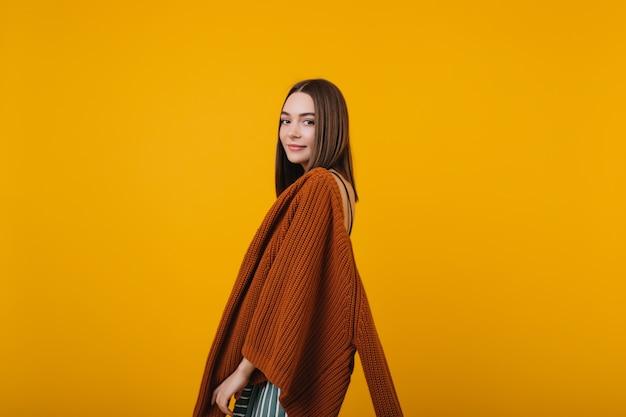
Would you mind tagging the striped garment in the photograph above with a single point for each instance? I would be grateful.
(259, 401)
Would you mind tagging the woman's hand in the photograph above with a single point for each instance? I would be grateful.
(233, 385)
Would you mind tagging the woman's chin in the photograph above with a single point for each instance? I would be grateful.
(297, 161)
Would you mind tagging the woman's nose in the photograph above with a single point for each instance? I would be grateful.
(294, 131)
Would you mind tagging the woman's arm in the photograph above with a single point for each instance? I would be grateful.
(233, 385)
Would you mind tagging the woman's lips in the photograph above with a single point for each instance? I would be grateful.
(295, 147)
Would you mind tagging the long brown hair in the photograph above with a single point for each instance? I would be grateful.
(332, 136)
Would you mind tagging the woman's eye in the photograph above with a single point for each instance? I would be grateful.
(284, 121)
(309, 122)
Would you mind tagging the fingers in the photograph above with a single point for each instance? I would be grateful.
(225, 409)
(222, 400)
(231, 386)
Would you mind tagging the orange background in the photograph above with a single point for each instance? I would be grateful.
(136, 161)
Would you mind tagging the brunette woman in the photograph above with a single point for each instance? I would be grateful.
(298, 310)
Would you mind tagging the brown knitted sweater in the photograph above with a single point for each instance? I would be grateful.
(298, 310)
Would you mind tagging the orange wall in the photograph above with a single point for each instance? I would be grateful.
(136, 163)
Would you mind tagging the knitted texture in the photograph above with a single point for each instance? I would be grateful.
(298, 310)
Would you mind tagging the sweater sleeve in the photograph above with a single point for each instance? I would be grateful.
(279, 331)
(374, 362)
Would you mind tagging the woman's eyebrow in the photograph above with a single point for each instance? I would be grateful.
(301, 114)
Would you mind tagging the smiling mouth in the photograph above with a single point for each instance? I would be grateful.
(295, 147)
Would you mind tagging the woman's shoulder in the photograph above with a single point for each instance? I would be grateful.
(329, 177)
(317, 177)
(319, 184)
(348, 198)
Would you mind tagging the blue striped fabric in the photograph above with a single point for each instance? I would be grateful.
(259, 401)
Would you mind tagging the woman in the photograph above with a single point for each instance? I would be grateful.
(298, 311)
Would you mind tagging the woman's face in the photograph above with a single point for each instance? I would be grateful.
(297, 128)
